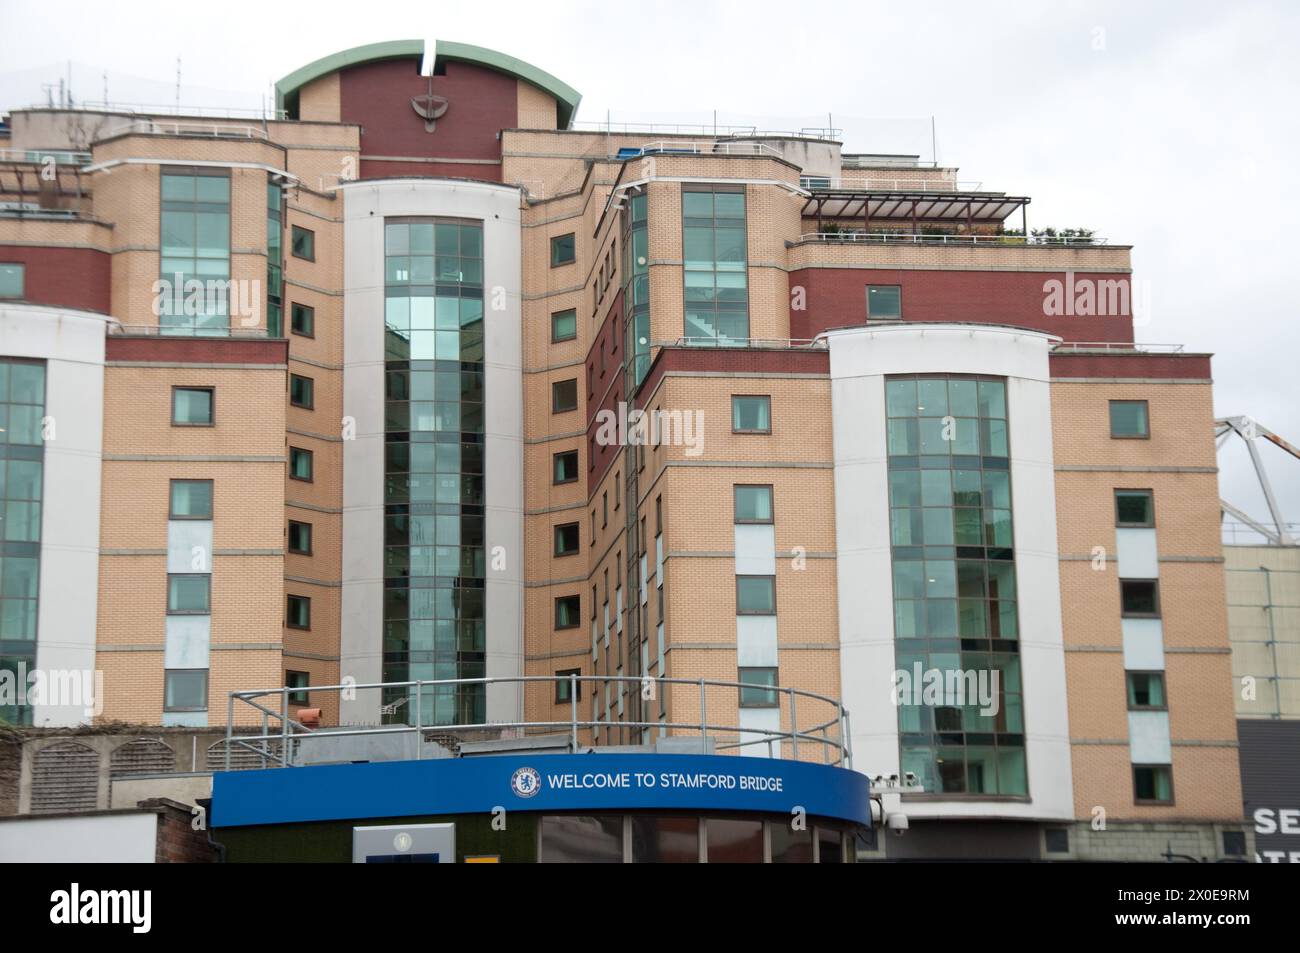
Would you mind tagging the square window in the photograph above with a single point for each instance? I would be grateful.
(757, 697)
(1134, 508)
(566, 690)
(189, 594)
(566, 467)
(1139, 598)
(298, 680)
(1128, 419)
(1057, 840)
(12, 276)
(302, 391)
(566, 611)
(185, 689)
(755, 595)
(192, 406)
(884, 302)
(1146, 691)
(564, 326)
(303, 243)
(1153, 783)
(302, 320)
(300, 464)
(298, 612)
(753, 504)
(1234, 843)
(751, 414)
(300, 537)
(564, 396)
(563, 250)
(566, 539)
(191, 500)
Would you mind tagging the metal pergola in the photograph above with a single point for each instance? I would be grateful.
(917, 208)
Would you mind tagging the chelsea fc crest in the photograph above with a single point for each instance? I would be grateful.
(525, 782)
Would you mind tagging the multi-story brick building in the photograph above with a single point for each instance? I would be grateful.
(895, 433)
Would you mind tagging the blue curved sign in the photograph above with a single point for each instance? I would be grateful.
(539, 782)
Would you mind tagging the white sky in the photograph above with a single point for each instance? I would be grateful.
(1172, 127)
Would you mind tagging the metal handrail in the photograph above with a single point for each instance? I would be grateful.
(700, 341)
(705, 129)
(709, 147)
(913, 238)
(830, 734)
(154, 127)
(185, 331)
(1141, 346)
(38, 156)
(845, 182)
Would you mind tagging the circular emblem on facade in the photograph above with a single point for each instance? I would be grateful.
(525, 782)
(402, 842)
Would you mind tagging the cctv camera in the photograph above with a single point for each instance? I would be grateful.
(897, 823)
(909, 777)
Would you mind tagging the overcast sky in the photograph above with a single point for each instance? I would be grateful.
(1172, 127)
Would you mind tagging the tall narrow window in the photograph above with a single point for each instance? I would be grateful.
(274, 260)
(636, 290)
(715, 258)
(195, 243)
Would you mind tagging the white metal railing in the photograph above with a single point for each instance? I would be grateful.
(705, 129)
(876, 184)
(824, 725)
(154, 127)
(778, 343)
(911, 238)
(33, 210)
(168, 109)
(709, 147)
(38, 156)
(186, 331)
(1141, 347)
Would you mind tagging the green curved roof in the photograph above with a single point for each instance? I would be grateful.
(445, 51)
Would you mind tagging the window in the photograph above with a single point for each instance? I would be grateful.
(274, 260)
(566, 539)
(302, 320)
(715, 259)
(189, 594)
(185, 689)
(300, 537)
(300, 464)
(192, 406)
(564, 396)
(604, 509)
(568, 690)
(303, 243)
(566, 611)
(566, 467)
(1134, 508)
(563, 250)
(756, 595)
(564, 326)
(1146, 690)
(1153, 783)
(298, 680)
(11, 279)
(757, 697)
(1056, 840)
(1139, 598)
(1128, 419)
(1234, 843)
(751, 414)
(302, 391)
(753, 504)
(884, 302)
(194, 239)
(298, 612)
(191, 500)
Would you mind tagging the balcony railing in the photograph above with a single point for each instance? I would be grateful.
(818, 725)
(706, 129)
(155, 127)
(1140, 347)
(776, 343)
(163, 331)
(40, 156)
(910, 238)
(862, 183)
(709, 148)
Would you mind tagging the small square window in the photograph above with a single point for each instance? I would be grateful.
(884, 302)
(566, 539)
(566, 467)
(563, 250)
(751, 414)
(1057, 840)
(755, 595)
(565, 689)
(303, 243)
(12, 277)
(1139, 598)
(1134, 508)
(192, 406)
(191, 500)
(302, 320)
(564, 326)
(564, 396)
(298, 680)
(1153, 784)
(298, 612)
(189, 594)
(567, 609)
(1128, 419)
(300, 464)
(753, 504)
(757, 697)
(302, 391)
(1146, 691)
(300, 537)
(1234, 843)
(185, 689)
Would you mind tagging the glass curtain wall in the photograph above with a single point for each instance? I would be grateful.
(195, 240)
(714, 251)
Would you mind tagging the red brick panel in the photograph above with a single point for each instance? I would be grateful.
(1063, 364)
(63, 277)
(189, 350)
